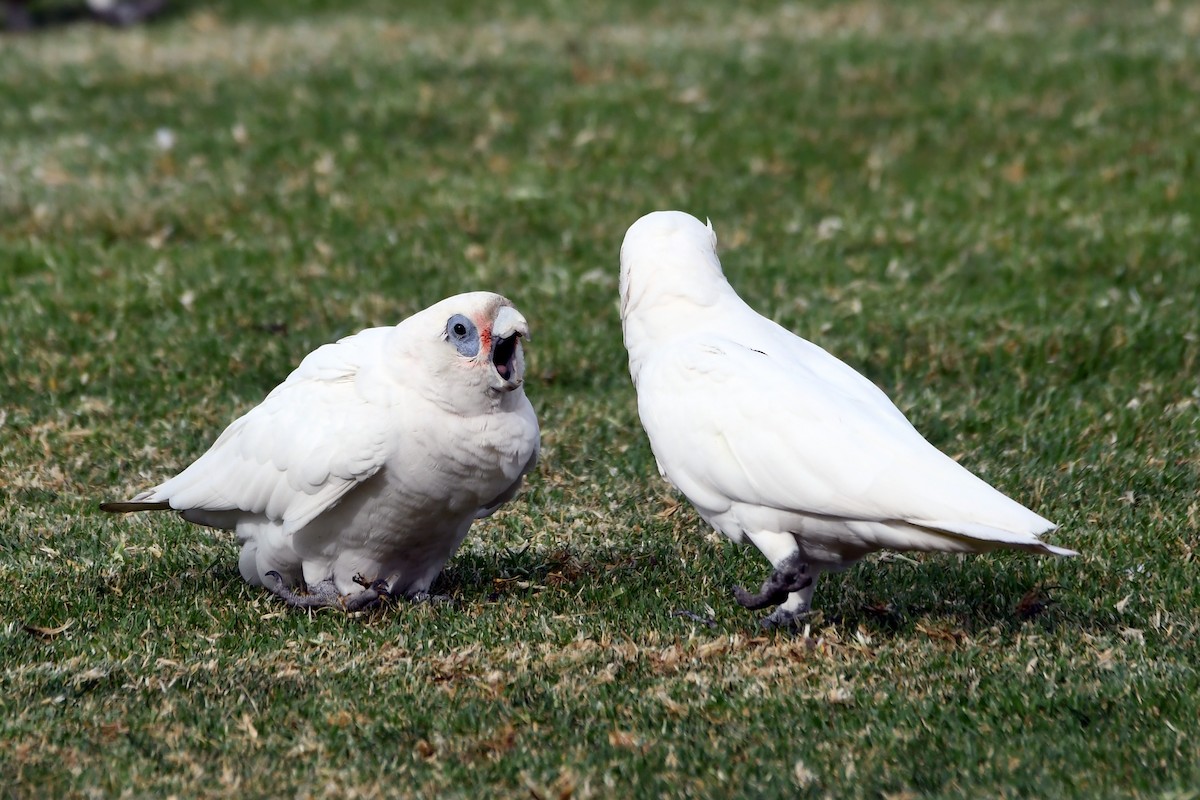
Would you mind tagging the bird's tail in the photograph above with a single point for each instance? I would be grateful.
(1052, 550)
(124, 507)
(981, 538)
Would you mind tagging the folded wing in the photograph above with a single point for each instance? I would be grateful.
(315, 437)
(730, 423)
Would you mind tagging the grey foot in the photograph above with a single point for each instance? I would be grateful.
(790, 576)
(326, 594)
(781, 618)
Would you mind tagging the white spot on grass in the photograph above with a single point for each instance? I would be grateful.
(829, 227)
(804, 776)
(164, 139)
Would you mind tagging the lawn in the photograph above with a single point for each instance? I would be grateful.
(991, 209)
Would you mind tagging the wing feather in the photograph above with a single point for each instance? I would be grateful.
(730, 423)
(314, 438)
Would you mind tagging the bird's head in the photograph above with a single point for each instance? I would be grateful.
(671, 282)
(669, 255)
(476, 342)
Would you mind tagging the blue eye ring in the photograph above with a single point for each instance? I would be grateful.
(462, 333)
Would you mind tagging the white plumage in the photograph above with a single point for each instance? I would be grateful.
(362, 472)
(776, 441)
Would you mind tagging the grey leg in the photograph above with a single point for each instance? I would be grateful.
(796, 607)
(791, 575)
(790, 584)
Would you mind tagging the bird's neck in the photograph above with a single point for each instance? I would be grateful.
(656, 318)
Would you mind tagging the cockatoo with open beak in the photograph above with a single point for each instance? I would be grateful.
(360, 475)
(775, 441)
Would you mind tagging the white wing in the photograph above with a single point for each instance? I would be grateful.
(320, 433)
(807, 434)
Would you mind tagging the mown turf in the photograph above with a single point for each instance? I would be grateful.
(990, 209)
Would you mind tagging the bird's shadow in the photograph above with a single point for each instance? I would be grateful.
(942, 594)
(135, 593)
(955, 597)
(477, 576)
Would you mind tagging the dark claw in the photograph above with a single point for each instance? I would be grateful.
(280, 589)
(792, 576)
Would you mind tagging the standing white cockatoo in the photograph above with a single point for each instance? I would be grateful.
(774, 440)
(361, 474)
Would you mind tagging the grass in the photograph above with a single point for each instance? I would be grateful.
(990, 209)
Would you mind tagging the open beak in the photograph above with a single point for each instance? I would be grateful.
(507, 329)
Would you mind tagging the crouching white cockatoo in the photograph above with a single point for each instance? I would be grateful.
(361, 474)
(774, 440)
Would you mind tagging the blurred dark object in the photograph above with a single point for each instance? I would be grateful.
(29, 15)
(1035, 601)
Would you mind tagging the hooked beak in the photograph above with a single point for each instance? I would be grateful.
(508, 327)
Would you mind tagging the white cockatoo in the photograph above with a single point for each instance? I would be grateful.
(361, 474)
(774, 440)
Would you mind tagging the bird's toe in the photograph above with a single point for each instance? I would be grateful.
(752, 601)
(782, 618)
(318, 595)
(790, 577)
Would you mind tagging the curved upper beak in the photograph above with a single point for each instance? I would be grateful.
(509, 322)
(507, 330)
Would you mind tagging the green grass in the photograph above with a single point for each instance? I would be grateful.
(991, 209)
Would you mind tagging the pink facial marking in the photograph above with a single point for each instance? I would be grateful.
(484, 326)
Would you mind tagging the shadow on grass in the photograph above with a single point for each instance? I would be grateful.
(889, 599)
(964, 596)
(632, 588)
(653, 583)
(145, 594)
(483, 577)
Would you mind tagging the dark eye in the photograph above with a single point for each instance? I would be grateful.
(461, 333)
